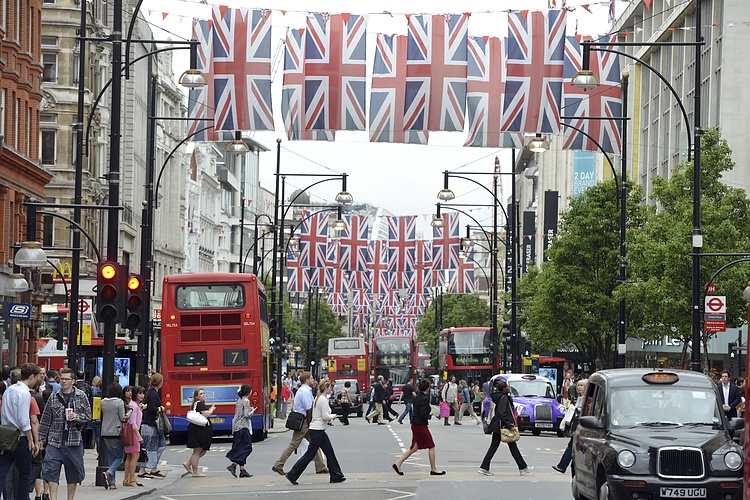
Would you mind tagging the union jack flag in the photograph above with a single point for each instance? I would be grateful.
(484, 95)
(316, 276)
(436, 72)
(199, 99)
(361, 301)
(335, 280)
(446, 243)
(438, 276)
(359, 321)
(422, 281)
(424, 254)
(332, 254)
(611, 13)
(462, 279)
(379, 266)
(335, 70)
(297, 280)
(313, 240)
(242, 69)
(534, 80)
(293, 91)
(337, 301)
(402, 243)
(360, 280)
(355, 252)
(604, 100)
(388, 84)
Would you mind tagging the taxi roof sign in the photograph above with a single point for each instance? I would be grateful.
(660, 378)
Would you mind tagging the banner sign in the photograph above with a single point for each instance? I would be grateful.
(584, 171)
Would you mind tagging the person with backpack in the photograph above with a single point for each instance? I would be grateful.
(466, 403)
(450, 397)
(346, 403)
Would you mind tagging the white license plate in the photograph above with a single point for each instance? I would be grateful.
(217, 420)
(544, 425)
(668, 492)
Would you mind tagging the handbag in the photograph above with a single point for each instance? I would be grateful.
(162, 423)
(489, 418)
(126, 434)
(510, 435)
(295, 420)
(143, 457)
(196, 418)
(9, 437)
(445, 410)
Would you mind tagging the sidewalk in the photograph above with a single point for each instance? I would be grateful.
(89, 491)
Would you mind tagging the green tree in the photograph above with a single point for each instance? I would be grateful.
(659, 255)
(572, 303)
(328, 323)
(458, 310)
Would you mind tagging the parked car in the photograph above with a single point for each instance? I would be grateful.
(534, 401)
(355, 394)
(647, 433)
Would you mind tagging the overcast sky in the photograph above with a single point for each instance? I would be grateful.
(402, 178)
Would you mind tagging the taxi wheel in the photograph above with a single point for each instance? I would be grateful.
(536, 432)
(574, 487)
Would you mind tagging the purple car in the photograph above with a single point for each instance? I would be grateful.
(534, 401)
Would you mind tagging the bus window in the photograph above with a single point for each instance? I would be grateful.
(214, 296)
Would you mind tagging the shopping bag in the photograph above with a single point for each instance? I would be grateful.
(445, 410)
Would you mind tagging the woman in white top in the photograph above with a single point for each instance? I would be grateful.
(321, 415)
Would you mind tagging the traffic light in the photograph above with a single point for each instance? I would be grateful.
(57, 331)
(527, 349)
(136, 319)
(110, 292)
(731, 350)
(273, 339)
(506, 329)
(313, 355)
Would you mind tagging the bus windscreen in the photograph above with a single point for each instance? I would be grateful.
(210, 296)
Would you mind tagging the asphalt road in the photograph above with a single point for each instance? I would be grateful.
(366, 453)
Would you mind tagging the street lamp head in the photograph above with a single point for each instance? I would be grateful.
(585, 79)
(437, 222)
(344, 196)
(16, 284)
(30, 255)
(467, 243)
(193, 79)
(237, 147)
(538, 144)
(446, 194)
(339, 224)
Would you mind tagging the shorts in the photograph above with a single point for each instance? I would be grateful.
(69, 456)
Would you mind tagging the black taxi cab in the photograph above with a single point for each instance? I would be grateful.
(652, 434)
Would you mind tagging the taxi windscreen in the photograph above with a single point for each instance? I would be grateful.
(531, 389)
(664, 406)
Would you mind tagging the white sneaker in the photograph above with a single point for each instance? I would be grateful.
(485, 472)
(527, 470)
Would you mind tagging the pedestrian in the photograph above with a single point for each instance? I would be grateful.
(450, 396)
(286, 393)
(242, 436)
(730, 395)
(346, 403)
(113, 415)
(502, 418)
(154, 442)
(96, 425)
(407, 397)
(371, 400)
(303, 402)
(36, 461)
(87, 432)
(476, 391)
(52, 382)
(567, 455)
(199, 437)
(133, 396)
(420, 434)
(66, 414)
(379, 400)
(467, 403)
(565, 390)
(16, 411)
(389, 401)
(319, 440)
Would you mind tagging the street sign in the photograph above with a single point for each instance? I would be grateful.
(710, 289)
(716, 304)
(17, 310)
(715, 317)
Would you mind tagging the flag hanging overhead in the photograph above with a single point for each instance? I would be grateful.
(436, 72)
(293, 91)
(402, 243)
(297, 280)
(355, 252)
(534, 79)
(604, 100)
(484, 95)
(462, 279)
(242, 69)
(335, 72)
(388, 84)
(313, 240)
(379, 266)
(199, 99)
(446, 243)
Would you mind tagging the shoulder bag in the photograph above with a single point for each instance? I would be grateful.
(196, 418)
(9, 437)
(162, 423)
(295, 421)
(510, 435)
(126, 434)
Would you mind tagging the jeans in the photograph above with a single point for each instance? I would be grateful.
(22, 459)
(318, 440)
(115, 455)
(567, 456)
(514, 451)
(407, 410)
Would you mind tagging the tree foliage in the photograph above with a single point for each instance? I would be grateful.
(572, 302)
(458, 310)
(328, 327)
(660, 285)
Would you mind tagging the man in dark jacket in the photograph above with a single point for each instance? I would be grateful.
(388, 401)
(379, 401)
(729, 394)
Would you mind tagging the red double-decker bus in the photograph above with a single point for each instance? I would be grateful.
(466, 353)
(348, 359)
(394, 358)
(214, 336)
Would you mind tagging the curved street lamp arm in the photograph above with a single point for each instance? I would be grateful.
(606, 155)
(247, 254)
(714, 275)
(483, 187)
(291, 202)
(78, 226)
(468, 257)
(664, 80)
(128, 40)
(164, 165)
(467, 214)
